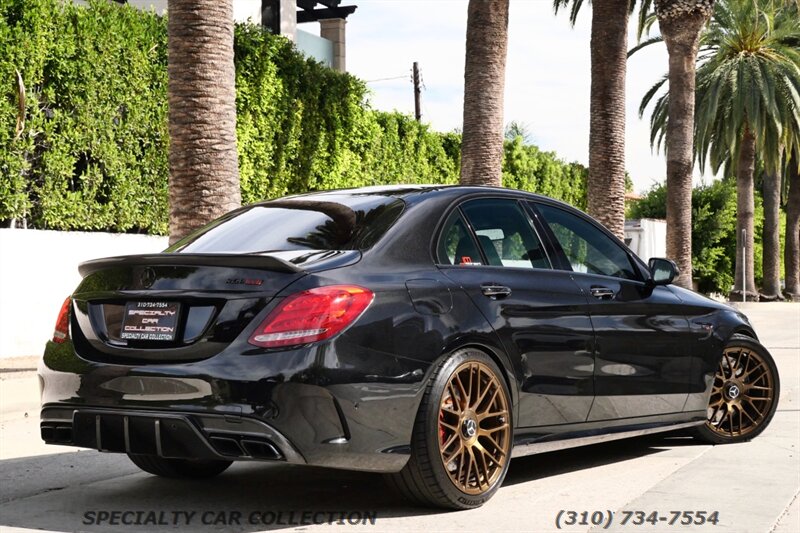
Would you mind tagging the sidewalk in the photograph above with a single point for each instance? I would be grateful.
(754, 486)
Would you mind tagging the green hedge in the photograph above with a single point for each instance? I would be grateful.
(527, 168)
(713, 231)
(93, 151)
(92, 154)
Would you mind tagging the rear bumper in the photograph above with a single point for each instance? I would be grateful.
(166, 434)
(335, 405)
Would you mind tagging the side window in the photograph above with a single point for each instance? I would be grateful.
(456, 245)
(505, 234)
(587, 248)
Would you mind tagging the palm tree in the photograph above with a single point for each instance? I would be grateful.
(791, 261)
(484, 83)
(770, 237)
(680, 23)
(609, 45)
(203, 162)
(748, 104)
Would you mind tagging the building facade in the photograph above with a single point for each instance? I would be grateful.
(327, 45)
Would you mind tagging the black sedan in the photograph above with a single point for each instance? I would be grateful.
(429, 333)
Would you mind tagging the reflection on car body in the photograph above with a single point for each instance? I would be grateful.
(430, 333)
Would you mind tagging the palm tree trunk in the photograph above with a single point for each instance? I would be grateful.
(203, 161)
(484, 83)
(771, 289)
(681, 32)
(745, 217)
(609, 48)
(791, 260)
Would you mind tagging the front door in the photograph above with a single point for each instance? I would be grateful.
(490, 248)
(643, 339)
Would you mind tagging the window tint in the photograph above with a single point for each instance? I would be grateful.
(587, 248)
(505, 234)
(456, 245)
(325, 222)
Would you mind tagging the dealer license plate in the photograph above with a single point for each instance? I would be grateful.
(150, 321)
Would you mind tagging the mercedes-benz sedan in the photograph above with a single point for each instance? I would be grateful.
(429, 333)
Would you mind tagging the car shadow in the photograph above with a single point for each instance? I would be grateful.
(70, 491)
(554, 463)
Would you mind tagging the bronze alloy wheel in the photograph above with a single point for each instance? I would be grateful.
(743, 393)
(474, 429)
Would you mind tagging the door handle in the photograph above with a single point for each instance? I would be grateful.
(495, 291)
(602, 293)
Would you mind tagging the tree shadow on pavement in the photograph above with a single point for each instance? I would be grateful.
(68, 491)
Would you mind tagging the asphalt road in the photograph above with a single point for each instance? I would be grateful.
(752, 486)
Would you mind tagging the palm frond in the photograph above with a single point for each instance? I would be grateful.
(648, 96)
(747, 78)
(574, 8)
(645, 44)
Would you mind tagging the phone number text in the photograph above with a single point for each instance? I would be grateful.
(567, 518)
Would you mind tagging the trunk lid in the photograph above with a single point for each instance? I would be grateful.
(175, 307)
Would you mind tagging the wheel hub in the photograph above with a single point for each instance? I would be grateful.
(469, 428)
(732, 391)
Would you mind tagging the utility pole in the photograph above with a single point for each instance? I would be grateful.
(417, 93)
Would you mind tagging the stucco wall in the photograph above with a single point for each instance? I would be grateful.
(38, 269)
(243, 10)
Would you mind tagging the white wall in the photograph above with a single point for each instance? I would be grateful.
(38, 269)
(647, 237)
(159, 6)
(242, 9)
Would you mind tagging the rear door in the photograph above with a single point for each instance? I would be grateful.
(643, 339)
(489, 248)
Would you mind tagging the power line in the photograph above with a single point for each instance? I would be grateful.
(388, 79)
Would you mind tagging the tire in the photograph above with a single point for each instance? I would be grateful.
(744, 394)
(473, 438)
(179, 468)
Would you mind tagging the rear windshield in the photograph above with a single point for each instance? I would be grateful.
(329, 222)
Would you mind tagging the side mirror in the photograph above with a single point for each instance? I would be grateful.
(662, 271)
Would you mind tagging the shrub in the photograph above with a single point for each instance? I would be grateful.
(713, 231)
(93, 151)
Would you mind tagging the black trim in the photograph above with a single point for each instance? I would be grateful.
(325, 14)
(263, 262)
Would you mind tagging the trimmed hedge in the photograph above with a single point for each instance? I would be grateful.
(713, 231)
(93, 151)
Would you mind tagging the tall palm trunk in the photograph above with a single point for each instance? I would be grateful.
(680, 23)
(791, 260)
(745, 217)
(203, 162)
(484, 83)
(771, 289)
(609, 48)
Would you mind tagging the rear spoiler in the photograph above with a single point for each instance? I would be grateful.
(259, 262)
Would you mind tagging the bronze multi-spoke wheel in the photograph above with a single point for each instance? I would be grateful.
(462, 435)
(744, 394)
(474, 433)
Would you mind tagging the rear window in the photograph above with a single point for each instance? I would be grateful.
(329, 222)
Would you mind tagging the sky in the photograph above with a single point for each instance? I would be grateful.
(547, 73)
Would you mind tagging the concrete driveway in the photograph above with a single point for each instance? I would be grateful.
(753, 486)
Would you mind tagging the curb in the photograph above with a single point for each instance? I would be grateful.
(19, 364)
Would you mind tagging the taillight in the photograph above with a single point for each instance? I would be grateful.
(61, 332)
(312, 315)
